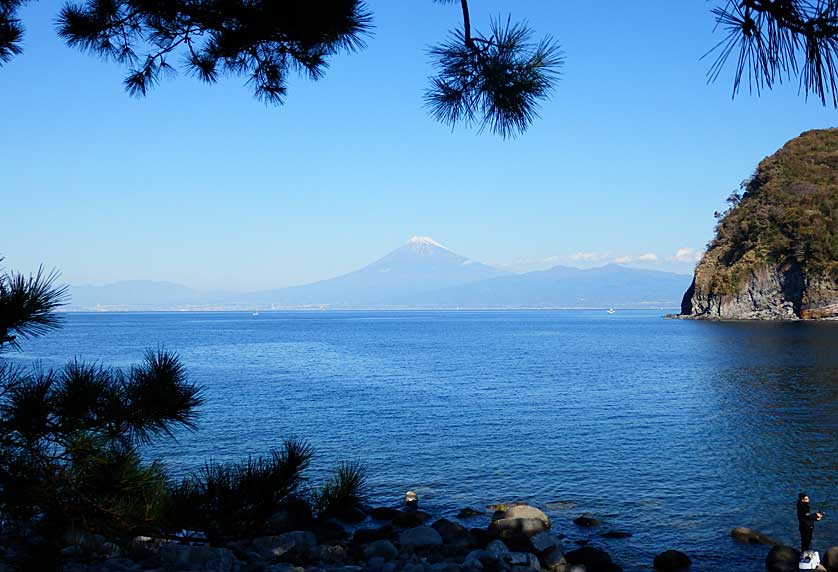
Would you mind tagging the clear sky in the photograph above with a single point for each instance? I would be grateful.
(205, 186)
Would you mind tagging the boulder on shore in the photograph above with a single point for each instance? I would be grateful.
(519, 519)
(365, 535)
(554, 561)
(672, 561)
(748, 536)
(198, 557)
(299, 543)
(782, 559)
(453, 534)
(410, 518)
(830, 559)
(381, 549)
(420, 537)
(593, 559)
(544, 542)
(384, 513)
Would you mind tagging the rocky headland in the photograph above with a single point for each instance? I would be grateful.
(775, 252)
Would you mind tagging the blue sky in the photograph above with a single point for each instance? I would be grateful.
(205, 186)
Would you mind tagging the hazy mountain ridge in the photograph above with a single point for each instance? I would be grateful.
(421, 274)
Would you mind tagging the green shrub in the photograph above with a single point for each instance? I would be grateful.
(343, 491)
(225, 500)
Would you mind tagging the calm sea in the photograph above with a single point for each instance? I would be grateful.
(674, 431)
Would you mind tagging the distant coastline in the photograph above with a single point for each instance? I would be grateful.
(211, 309)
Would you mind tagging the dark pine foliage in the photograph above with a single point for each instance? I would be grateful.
(776, 40)
(68, 438)
(343, 491)
(225, 499)
(68, 442)
(261, 41)
(495, 81)
(27, 305)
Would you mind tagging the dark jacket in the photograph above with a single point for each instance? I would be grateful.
(805, 517)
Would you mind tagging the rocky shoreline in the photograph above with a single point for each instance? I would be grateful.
(519, 538)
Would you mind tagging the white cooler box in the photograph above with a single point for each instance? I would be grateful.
(810, 560)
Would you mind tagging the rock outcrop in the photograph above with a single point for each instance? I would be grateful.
(775, 253)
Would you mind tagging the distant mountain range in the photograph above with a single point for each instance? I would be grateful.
(421, 274)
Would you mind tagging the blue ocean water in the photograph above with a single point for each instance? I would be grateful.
(675, 431)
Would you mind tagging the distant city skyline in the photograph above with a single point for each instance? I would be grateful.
(206, 187)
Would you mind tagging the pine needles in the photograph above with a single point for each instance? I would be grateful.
(495, 81)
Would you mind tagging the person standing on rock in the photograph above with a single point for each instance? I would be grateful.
(806, 521)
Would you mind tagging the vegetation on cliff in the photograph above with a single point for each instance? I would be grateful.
(787, 213)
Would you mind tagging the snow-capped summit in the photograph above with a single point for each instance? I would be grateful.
(424, 244)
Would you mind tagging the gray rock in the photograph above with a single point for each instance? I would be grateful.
(110, 550)
(554, 560)
(120, 565)
(281, 567)
(298, 542)
(672, 561)
(453, 534)
(72, 551)
(519, 519)
(478, 556)
(414, 567)
(748, 536)
(205, 558)
(618, 534)
(365, 535)
(594, 559)
(587, 520)
(544, 541)
(410, 518)
(773, 291)
(381, 548)
(89, 542)
(830, 559)
(75, 567)
(389, 567)
(497, 548)
(523, 559)
(376, 563)
(577, 568)
(384, 513)
(420, 537)
(782, 559)
(331, 553)
(144, 546)
(468, 513)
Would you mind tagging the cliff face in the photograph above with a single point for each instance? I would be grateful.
(775, 253)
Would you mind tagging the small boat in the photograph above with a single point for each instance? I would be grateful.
(255, 314)
(612, 311)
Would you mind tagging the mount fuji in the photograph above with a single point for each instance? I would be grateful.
(400, 278)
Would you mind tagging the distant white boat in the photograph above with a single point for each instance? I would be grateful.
(255, 314)
(612, 311)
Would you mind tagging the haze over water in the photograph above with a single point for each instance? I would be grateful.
(674, 431)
